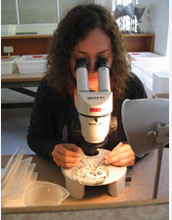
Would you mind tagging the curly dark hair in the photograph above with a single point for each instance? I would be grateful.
(78, 22)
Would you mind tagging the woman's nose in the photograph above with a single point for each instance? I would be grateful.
(91, 66)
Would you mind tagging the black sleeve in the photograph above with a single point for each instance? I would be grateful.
(134, 90)
(39, 135)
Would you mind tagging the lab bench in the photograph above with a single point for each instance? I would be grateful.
(20, 83)
(137, 194)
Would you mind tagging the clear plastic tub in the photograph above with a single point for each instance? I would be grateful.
(144, 69)
(17, 175)
(32, 63)
(42, 193)
(146, 56)
(8, 64)
(160, 82)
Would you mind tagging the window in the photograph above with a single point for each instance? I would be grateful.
(8, 12)
(29, 12)
(42, 11)
(36, 11)
(66, 5)
(38, 16)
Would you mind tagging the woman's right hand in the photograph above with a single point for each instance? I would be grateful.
(66, 155)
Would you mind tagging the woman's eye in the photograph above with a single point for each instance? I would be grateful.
(81, 57)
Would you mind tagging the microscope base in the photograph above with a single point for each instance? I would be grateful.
(77, 190)
(115, 180)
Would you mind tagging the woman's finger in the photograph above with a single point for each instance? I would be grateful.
(66, 156)
(121, 155)
(67, 150)
(66, 164)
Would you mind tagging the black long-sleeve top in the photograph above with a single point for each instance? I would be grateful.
(53, 116)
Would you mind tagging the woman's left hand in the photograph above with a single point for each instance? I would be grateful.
(121, 155)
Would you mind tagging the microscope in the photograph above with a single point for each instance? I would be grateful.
(94, 108)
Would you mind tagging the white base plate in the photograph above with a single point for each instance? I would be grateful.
(115, 173)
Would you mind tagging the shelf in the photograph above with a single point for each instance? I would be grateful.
(14, 37)
(38, 44)
(139, 42)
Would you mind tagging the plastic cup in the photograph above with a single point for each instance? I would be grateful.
(41, 193)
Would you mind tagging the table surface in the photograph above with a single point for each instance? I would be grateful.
(16, 77)
(18, 80)
(139, 190)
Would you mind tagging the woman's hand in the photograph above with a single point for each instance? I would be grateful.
(121, 155)
(66, 155)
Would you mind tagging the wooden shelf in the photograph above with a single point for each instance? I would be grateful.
(27, 45)
(38, 44)
(26, 36)
(139, 42)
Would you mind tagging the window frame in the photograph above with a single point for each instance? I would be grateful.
(18, 15)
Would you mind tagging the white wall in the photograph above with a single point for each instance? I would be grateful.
(157, 22)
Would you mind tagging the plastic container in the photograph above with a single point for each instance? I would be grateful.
(160, 82)
(144, 69)
(17, 176)
(32, 64)
(8, 64)
(17, 199)
(146, 56)
(42, 193)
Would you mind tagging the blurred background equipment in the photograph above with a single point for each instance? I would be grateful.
(135, 14)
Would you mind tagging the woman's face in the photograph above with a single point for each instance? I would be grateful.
(96, 44)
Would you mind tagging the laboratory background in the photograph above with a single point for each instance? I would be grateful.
(26, 31)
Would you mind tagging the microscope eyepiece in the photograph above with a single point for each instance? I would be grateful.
(81, 62)
(102, 62)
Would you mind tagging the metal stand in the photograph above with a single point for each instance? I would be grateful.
(162, 138)
(158, 170)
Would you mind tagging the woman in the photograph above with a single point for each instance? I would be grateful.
(86, 32)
